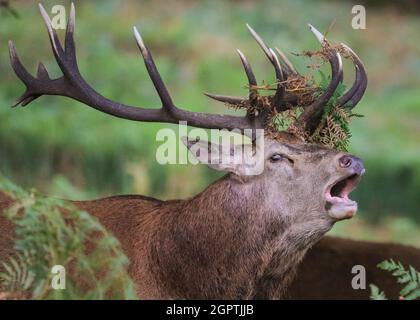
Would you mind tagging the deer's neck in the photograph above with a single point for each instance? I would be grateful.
(228, 239)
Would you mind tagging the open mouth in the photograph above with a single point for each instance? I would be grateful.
(337, 197)
(340, 190)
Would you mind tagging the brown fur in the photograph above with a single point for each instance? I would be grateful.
(216, 254)
(325, 272)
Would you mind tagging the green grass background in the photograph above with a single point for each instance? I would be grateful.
(65, 149)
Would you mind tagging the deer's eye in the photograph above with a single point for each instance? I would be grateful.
(280, 157)
(276, 157)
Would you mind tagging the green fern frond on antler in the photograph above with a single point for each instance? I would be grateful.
(334, 127)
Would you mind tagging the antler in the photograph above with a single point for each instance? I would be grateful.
(281, 99)
(72, 85)
(309, 119)
(352, 97)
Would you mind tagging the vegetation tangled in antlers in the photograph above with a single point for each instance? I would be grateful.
(300, 92)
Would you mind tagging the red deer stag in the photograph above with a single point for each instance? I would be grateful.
(245, 235)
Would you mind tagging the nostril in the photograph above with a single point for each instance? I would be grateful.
(345, 161)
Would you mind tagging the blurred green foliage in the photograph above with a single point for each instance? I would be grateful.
(53, 232)
(68, 150)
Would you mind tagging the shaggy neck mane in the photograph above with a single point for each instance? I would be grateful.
(239, 245)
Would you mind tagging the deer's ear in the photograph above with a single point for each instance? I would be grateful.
(216, 156)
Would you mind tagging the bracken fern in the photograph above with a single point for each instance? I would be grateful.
(410, 278)
(53, 232)
(334, 128)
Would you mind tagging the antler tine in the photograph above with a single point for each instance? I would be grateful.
(69, 46)
(252, 81)
(55, 42)
(225, 99)
(17, 65)
(288, 66)
(280, 77)
(260, 42)
(21, 73)
(154, 73)
(350, 93)
(309, 119)
(272, 58)
(238, 100)
(356, 92)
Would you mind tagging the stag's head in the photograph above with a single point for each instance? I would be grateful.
(301, 166)
(288, 177)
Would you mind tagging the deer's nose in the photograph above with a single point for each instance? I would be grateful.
(345, 161)
(352, 162)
